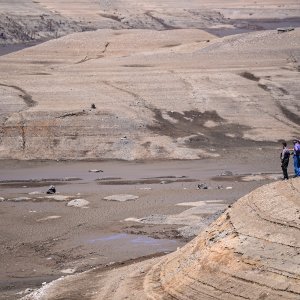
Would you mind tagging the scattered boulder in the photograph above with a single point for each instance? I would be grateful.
(68, 271)
(57, 197)
(121, 197)
(21, 199)
(48, 218)
(78, 203)
(51, 190)
(34, 193)
(282, 30)
(226, 173)
(95, 171)
(202, 186)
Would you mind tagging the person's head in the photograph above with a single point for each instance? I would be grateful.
(295, 141)
(284, 144)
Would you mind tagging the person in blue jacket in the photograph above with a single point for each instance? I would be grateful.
(296, 157)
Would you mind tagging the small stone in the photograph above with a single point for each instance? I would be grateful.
(57, 197)
(202, 186)
(68, 271)
(95, 171)
(21, 199)
(121, 197)
(51, 190)
(78, 203)
(48, 218)
(226, 173)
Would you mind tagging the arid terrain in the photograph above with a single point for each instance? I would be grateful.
(126, 212)
(250, 252)
(148, 93)
(151, 119)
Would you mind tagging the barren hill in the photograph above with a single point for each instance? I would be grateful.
(175, 94)
(250, 252)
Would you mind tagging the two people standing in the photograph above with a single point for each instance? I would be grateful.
(285, 157)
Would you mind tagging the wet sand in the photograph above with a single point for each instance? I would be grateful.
(42, 238)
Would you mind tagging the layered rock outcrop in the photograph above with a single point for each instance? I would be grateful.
(144, 94)
(250, 252)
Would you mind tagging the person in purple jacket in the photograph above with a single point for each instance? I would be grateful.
(296, 157)
(285, 157)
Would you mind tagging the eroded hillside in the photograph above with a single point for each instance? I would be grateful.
(144, 94)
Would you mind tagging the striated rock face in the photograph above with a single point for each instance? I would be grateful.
(250, 252)
(157, 94)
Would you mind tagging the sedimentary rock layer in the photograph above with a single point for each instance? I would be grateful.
(250, 252)
(144, 94)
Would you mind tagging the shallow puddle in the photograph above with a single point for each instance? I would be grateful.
(131, 240)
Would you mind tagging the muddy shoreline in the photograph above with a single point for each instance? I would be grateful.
(43, 238)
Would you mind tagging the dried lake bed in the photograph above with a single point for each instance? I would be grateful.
(128, 211)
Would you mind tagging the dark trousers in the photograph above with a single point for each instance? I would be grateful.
(284, 167)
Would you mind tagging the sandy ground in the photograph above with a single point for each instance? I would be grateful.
(43, 239)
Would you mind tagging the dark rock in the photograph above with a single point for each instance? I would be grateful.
(51, 190)
(95, 171)
(202, 186)
(282, 30)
